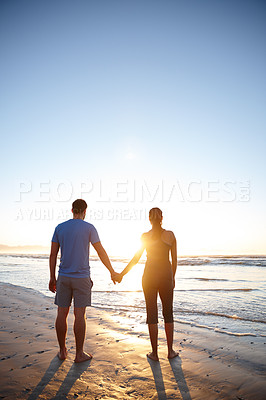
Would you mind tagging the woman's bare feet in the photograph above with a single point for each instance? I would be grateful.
(153, 356)
(83, 357)
(62, 354)
(173, 354)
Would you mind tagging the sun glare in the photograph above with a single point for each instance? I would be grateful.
(130, 156)
(132, 281)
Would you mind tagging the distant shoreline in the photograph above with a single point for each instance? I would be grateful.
(44, 251)
(6, 248)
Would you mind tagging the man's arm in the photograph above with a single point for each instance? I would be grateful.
(52, 265)
(105, 259)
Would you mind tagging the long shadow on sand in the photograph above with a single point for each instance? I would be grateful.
(158, 378)
(73, 375)
(176, 365)
(47, 377)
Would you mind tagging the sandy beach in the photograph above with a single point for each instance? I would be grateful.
(210, 366)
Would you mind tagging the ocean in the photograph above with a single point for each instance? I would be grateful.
(223, 294)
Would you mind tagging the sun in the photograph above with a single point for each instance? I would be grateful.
(130, 156)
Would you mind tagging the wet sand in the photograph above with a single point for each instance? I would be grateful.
(211, 365)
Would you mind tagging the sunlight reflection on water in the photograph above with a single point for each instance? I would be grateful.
(226, 294)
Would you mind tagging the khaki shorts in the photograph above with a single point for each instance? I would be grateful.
(77, 288)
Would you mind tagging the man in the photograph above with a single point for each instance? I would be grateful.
(73, 237)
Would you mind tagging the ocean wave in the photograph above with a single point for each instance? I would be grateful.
(33, 256)
(120, 307)
(216, 314)
(193, 261)
(215, 329)
(210, 279)
(181, 321)
(3, 265)
(180, 290)
(255, 261)
(249, 261)
(216, 290)
(117, 291)
(127, 307)
(242, 261)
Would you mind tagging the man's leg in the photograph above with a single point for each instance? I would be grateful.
(80, 332)
(61, 330)
(150, 294)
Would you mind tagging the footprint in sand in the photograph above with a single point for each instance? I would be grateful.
(42, 351)
(26, 366)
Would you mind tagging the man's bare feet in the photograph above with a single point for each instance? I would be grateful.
(173, 354)
(83, 357)
(62, 354)
(153, 356)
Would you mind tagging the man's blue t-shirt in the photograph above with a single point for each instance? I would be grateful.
(74, 237)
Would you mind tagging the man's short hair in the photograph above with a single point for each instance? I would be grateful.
(79, 206)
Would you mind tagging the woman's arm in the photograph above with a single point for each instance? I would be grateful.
(174, 256)
(133, 262)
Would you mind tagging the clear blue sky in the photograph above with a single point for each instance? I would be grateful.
(136, 91)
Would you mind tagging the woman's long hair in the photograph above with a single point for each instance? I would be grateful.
(155, 217)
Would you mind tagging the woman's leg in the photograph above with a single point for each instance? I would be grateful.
(153, 331)
(169, 331)
(151, 294)
(166, 295)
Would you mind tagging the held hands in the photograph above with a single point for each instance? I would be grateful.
(119, 278)
(116, 277)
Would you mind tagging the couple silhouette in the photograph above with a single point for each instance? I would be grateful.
(73, 238)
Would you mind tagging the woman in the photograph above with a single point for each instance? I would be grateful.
(158, 277)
